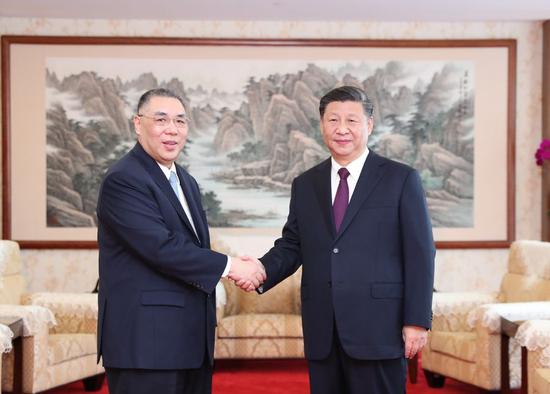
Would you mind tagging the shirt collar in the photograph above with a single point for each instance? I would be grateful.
(355, 167)
(166, 171)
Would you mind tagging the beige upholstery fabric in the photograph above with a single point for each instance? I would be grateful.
(283, 298)
(251, 348)
(75, 313)
(465, 340)
(461, 345)
(67, 347)
(541, 381)
(518, 288)
(530, 258)
(450, 310)
(12, 283)
(260, 326)
(53, 354)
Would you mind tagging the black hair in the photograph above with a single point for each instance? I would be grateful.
(160, 92)
(347, 93)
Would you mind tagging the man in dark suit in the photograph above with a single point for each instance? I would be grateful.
(156, 270)
(359, 226)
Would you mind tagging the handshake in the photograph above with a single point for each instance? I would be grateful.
(247, 272)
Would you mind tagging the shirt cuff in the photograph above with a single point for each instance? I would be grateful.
(227, 267)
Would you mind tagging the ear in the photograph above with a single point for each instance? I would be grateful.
(370, 125)
(137, 124)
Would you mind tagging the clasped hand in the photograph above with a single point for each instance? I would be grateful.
(247, 272)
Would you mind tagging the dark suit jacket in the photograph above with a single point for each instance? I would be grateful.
(374, 276)
(157, 279)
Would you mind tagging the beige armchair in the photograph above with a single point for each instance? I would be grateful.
(59, 343)
(535, 336)
(259, 326)
(465, 339)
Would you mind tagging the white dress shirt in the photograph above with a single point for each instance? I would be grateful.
(354, 168)
(185, 206)
(181, 196)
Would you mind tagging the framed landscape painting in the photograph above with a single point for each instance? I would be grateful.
(445, 107)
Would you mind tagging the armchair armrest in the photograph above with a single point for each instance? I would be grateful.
(535, 336)
(488, 317)
(74, 312)
(35, 318)
(5, 339)
(450, 309)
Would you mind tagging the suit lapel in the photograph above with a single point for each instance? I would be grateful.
(323, 193)
(158, 176)
(370, 176)
(193, 200)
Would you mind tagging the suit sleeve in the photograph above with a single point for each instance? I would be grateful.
(418, 253)
(128, 209)
(283, 259)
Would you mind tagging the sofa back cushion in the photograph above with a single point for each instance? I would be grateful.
(12, 283)
(528, 277)
(283, 298)
(522, 288)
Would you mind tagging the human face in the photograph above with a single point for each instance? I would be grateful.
(162, 143)
(346, 130)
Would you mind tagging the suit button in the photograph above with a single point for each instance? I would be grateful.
(335, 250)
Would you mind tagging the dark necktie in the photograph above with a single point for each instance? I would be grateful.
(341, 199)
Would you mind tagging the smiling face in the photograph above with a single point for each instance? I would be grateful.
(346, 130)
(162, 142)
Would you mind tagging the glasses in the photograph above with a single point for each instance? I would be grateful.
(163, 121)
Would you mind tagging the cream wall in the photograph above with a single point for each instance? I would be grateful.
(74, 270)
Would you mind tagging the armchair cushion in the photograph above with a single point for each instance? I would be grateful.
(264, 325)
(460, 345)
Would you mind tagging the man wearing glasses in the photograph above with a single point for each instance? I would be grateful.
(156, 270)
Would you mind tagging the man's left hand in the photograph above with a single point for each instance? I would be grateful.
(415, 338)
